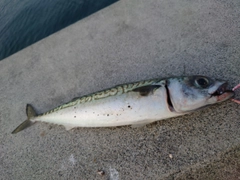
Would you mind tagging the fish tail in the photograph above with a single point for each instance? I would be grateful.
(30, 114)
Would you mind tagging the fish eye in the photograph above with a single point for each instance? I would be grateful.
(202, 82)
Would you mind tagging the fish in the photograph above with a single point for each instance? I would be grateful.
(135, 104)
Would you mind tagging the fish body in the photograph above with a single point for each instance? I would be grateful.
(122, 105)
(135, 103)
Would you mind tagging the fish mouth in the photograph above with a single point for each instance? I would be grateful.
(222, 93)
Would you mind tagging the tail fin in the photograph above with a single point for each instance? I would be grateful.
(30, 113)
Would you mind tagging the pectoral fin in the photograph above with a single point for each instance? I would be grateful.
(146, 90)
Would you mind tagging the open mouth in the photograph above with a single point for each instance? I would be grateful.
(222, 89)
(223, 93)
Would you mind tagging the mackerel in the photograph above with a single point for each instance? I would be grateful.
(135, 104)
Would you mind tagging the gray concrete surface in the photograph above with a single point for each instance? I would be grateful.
(128, 41)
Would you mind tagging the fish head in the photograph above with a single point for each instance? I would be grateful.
(189, 93)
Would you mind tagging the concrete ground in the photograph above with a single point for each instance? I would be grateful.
(128, 41)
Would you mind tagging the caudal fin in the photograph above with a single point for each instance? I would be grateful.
(30, 113)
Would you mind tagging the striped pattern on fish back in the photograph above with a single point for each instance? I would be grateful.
(117, 90)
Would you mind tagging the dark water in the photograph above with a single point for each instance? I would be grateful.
(23, 22)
